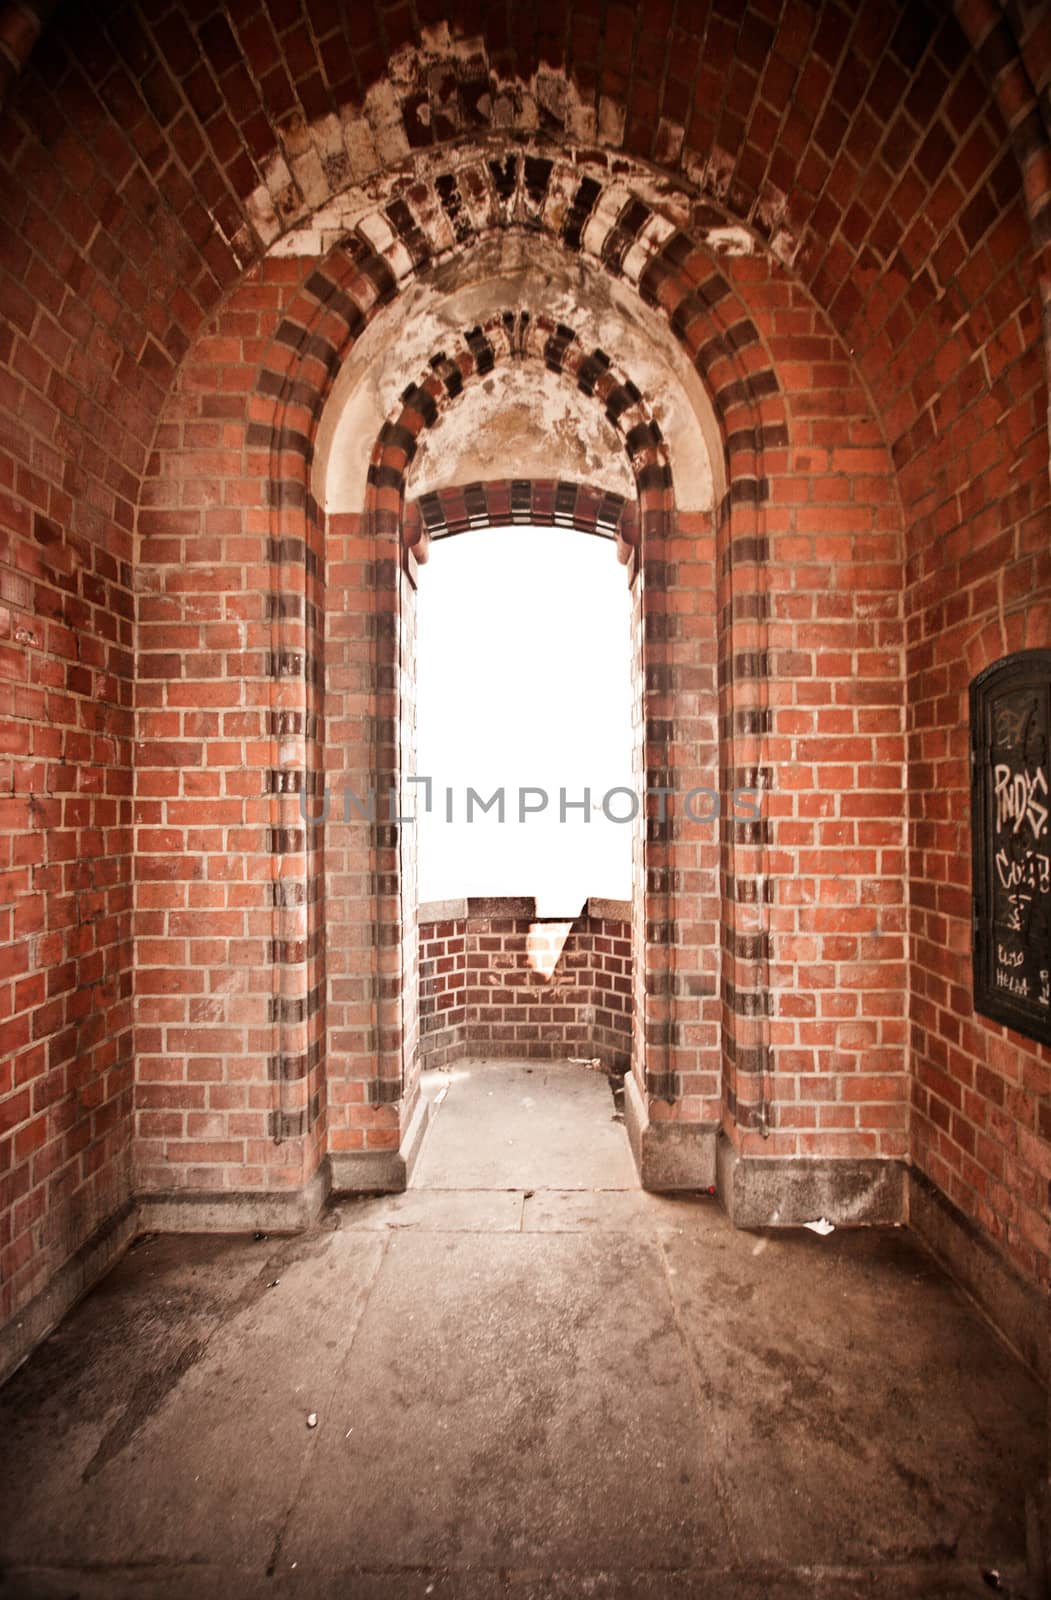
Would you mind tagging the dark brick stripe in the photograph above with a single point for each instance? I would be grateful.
(297, 1008)
(538, 501)
(295, 664)
(384, 1091)
(409, 232)
(556, 347)
(633, 217)
(452, 204)
(294, 952)
(584, 203)
(662, 1085)
(745, 551)
(334, 299)
(288, 723)
(747, 1002)
(537, 178)
(289, 1068)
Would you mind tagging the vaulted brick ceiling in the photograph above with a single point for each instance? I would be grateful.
(154, 152)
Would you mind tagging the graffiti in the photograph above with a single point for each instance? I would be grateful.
(1011, 724)
(1017, 799)
(1012, 982)
(1011, 761)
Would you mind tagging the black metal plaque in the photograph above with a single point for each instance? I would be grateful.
(1011, 826)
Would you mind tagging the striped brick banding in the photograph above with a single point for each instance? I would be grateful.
(515, 336)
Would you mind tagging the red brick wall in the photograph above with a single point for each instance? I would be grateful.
(66, 1045)
(882, 153)
(812, 714)
(229, 1011)
(368, 711)
(967, 411)
(981, 1094)
(443, 982)
(496, 981)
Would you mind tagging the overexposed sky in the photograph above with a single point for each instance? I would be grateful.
(524, 680)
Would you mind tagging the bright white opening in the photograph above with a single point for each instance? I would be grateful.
(523, 669)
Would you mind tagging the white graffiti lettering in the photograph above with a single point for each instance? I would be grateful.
(1016, 799)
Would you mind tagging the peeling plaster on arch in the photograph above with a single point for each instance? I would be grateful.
(526, 420)
(520, 271)
(697, 202)
(444, 90)
(503, 340)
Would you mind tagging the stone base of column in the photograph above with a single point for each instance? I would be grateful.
(380, 1171)
(207, 1211)
(669, 1156)
(785, 1191)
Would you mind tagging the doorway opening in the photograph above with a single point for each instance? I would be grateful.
(526, 727)
(524, 718)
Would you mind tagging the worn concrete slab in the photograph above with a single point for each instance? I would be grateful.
(437, 1211)
(502, 1368)
(177, 1430)
(526, 1391)
(525, 1125)
(863, 1411)
(938, 1581)
(616, 1211)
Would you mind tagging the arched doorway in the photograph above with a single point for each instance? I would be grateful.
(675, 1085)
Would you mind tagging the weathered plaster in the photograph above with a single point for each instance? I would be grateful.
(516, 271)
(529, 418)
(446, 88)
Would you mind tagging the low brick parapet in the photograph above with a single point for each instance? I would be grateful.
(498, 980)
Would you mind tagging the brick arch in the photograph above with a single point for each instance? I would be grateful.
(534, 502)
(672, 270)
(506, 337)
(1022, 629)
(710, 320)
(511, 336)
(675, 274)
(298, 364)
(320, 325)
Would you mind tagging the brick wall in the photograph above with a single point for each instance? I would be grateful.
(894, 161)
(812, 716)
(497, 981)
(66, 1041)
(229, 1004)
(369, 871)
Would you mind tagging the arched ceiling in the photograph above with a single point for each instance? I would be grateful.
(156, 150)
(524, 420)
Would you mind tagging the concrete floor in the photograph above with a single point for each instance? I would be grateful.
(530, 1379)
